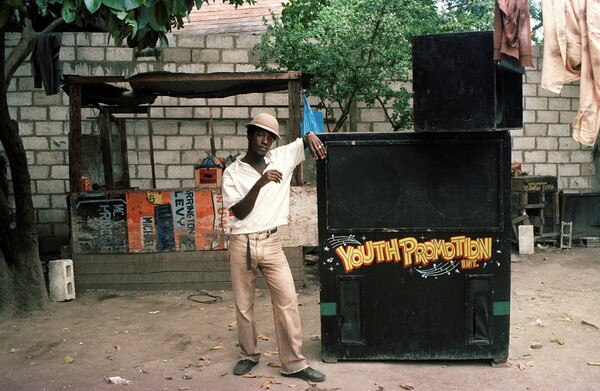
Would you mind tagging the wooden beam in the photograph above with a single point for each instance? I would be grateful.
(150, 131)
(125, 179)
(75, 154)
(182, 77)
(127, 110)
(75, 79)
(106, 147)
(295, 119)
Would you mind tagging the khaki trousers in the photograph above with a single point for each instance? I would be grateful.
(267, 256)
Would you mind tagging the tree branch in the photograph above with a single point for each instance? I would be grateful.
(386, 113)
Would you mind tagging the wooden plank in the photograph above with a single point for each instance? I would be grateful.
(125, 179)
(119, 272)
(151, 142)
(77, 80)
(161, 287)
(152, 278)
(122, 267)
(176, 270)
(131, 110)
(106, 147)
(219, 76)
(191, 286)
(75, 154)
(295, 118)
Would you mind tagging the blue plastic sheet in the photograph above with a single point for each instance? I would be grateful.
(312, 120)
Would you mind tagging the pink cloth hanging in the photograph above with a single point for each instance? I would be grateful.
(572, 52)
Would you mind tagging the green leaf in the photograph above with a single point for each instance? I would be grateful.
(124, 5)
(158, 17)
(68, 11)
(118, 5)
(133, 23)
(133, 4)
(164, 41)
(179, 7)
(92, 5)
(143, 18)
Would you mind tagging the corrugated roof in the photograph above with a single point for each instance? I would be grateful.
(223, 18)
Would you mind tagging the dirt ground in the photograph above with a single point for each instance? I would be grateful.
(166, 341)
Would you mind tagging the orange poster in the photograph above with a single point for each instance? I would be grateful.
(178, 220)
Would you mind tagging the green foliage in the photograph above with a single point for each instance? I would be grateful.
(360, 50)
(357, 50)
(141, 23)
(468, 15)
(535, 9)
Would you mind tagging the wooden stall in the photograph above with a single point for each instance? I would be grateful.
(148, 239)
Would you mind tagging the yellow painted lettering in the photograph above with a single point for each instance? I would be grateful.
(459, 242)
(430, 252)
(368, 253)
(393, 251)
(345, 253)
(438, 245)
(356, 258)
(420, 258)
(485, 247)
(449, 252)
(408, 247)
(379, 249)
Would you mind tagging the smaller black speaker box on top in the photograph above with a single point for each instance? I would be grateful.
(458, 86)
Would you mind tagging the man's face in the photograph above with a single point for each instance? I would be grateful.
(260, 141)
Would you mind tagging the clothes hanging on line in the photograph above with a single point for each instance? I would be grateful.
(512, 32)
(571, 52)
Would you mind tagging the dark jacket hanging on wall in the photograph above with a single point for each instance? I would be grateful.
(46, 69)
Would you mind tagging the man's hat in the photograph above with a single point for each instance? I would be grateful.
(266, 122)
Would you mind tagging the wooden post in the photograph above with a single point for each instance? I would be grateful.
(124, 157)
(106, 147)
(75, 163)
(295, 118)
(150, 131)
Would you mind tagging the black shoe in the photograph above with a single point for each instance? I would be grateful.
(243, 367)
(307, 374)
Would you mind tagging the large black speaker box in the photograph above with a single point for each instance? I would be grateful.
(458, 86)
(414, 245)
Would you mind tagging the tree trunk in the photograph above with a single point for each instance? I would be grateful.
(22, 283)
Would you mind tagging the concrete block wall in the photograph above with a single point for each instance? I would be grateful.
(545, 145)
(181, 132)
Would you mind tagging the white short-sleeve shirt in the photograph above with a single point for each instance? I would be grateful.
(273, 202)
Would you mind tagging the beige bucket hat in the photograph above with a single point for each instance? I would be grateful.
(266, 122)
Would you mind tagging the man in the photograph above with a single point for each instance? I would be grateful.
(256, 188)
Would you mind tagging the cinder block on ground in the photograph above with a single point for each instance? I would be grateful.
(62, 281)
(526, 239)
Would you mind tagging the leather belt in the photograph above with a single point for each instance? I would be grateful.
(268, 233)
